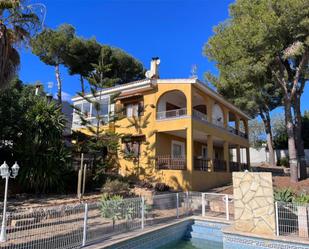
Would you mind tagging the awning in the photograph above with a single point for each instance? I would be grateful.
(133, 138)
(133, 93)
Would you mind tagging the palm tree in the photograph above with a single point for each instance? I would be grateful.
(17, 24)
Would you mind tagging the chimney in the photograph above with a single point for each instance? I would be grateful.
(153, 73)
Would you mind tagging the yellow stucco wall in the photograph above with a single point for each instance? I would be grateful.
(197, 180)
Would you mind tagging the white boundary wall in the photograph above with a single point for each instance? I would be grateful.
(261, 155)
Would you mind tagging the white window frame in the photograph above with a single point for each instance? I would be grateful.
(182, 144)
(134, 109)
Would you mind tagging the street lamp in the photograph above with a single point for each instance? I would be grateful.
(6, 173)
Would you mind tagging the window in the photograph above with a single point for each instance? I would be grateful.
(178, 149)
(134, 109)
(87, 109)
(131, 145)
(103, 107)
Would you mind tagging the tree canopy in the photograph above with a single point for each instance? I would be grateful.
(31, 131)
(51, 46)
(17, 24)
(266, 42)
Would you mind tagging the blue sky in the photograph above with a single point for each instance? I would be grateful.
(174, 30)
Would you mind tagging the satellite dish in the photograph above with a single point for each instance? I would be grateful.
(158, 61)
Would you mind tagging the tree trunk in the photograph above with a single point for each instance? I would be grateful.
(291, 140)
(59, 84)
(298, 137)
(269, 137)
(82, 85)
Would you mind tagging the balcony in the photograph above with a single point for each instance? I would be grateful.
(172, 114)
(203, 117)
(199, 115)
(171, 162)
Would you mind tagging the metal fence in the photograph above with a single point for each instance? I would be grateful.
(292, 219)
(73, 226)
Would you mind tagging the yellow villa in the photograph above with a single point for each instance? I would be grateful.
(176, 131)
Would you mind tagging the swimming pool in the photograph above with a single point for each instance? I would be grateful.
(187, 234)
(199, 233)
(193, 243)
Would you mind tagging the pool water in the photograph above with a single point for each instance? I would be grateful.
(193, 244)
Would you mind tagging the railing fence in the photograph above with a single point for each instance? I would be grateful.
(74, 226)
(292, 219)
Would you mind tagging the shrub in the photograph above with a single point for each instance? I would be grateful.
(145, 184)
(301, 199)
(111, 207)
(161, 187)
(115, 187)
(284, 195)
(284, 161)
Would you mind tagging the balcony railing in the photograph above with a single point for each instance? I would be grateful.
(244, 166)
(242, 134)
(232, 130)
(219, 165)
(201, 164)
(234, 166)
(171, 162)
(199, 115)
(172, 113)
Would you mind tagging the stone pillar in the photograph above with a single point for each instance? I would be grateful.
(226, 155)
(190, 148)
(254, 203)
(238, 156)
(210, 152)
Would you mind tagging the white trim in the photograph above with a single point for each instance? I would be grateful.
(111, 90)
(147, 82)
(182, 144)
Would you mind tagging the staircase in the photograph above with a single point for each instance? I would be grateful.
(204, 232)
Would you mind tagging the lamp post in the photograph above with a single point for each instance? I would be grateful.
(6, 173)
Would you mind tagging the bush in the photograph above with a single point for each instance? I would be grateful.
(284, 161)
(145, 184)
(301, 199)
(284, 195)
(111, 207)
(160, 187)
(115, 187)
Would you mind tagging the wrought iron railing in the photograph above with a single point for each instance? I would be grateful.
(199, 115)
(201, 164)
(244, 166)
(171, 162)
(219, 165)
(172, 113)
(232, 130)
(242, 134)
(234, 166)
